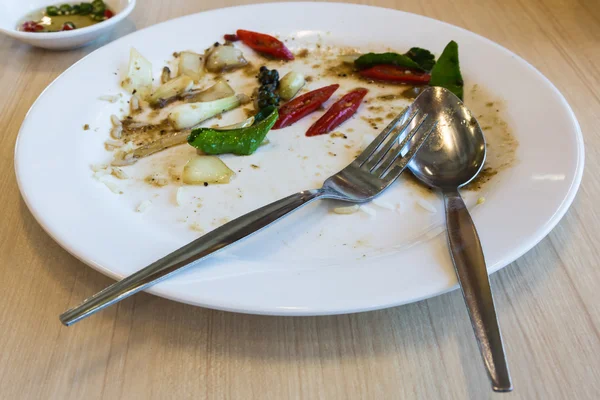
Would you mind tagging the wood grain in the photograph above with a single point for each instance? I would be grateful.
(150, 348)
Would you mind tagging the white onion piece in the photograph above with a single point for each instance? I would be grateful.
(115, 120)
(290, 84)
(206, 169)
(111, 144)
(191, 64)
(122, 159)
(128, 147)
(112, 186)
(164, 142)
(134, 103)
(239, 125)
(219, 90)
(139, 75)
(191, 114)
(98, 167)
(100, 173)
(224, 58)
(179, 196)
(116, 132)
(118, 173)
(165, 75)
(346, 210)
(172, 88)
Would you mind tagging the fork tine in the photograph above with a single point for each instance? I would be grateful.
(379, 156)
(364, 156)
(391, 156)
(401, 165)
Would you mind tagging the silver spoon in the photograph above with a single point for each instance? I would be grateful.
(453, 157)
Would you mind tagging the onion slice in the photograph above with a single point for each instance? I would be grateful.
(347, 209)
(161, 144)
(191, 114)
(172, 88)
(139, 75)
(201, 170)
(290, 84)
(239, 125)
(192, 65)
(219, 90)
(224, 58)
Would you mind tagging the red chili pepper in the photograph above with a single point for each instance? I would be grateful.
(396, 74)
(32, 26)
(339, 112)
(265, 44)
(108, 14)
(231, 37)
(303, 105)
(67, 27)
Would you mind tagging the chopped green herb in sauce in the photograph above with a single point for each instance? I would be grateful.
(66, 17)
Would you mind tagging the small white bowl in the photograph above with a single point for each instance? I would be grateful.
(12, 13)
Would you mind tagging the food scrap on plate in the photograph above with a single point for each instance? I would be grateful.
(186, 99)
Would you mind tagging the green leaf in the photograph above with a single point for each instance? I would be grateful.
(370, 59)
(446, 72)
(422, 57)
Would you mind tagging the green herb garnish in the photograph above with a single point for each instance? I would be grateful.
(446, 72)
(85, 9)
(371, 59)
(423, 57)
(52, 11)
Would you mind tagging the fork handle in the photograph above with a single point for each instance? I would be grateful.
(184, 257)
(469, 263)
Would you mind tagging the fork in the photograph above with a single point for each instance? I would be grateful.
(373, 171)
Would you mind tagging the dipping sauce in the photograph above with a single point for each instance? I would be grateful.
(66, 17)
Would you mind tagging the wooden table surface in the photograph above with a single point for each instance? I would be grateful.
(148, 347)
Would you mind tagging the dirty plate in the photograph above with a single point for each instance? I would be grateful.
(315, 261)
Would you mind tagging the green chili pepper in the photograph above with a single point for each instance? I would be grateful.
(262, 114)
(98, 7)
(371, 59)
(242, 141)
(446, 71)
(52, 11)
(85, 8)
(65, 9)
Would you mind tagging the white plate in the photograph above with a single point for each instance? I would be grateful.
(313, 262)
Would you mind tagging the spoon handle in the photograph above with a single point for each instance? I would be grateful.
(469, 263)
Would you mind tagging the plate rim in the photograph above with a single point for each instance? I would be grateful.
(568, 199)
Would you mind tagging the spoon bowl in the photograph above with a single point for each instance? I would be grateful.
(455, 152)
